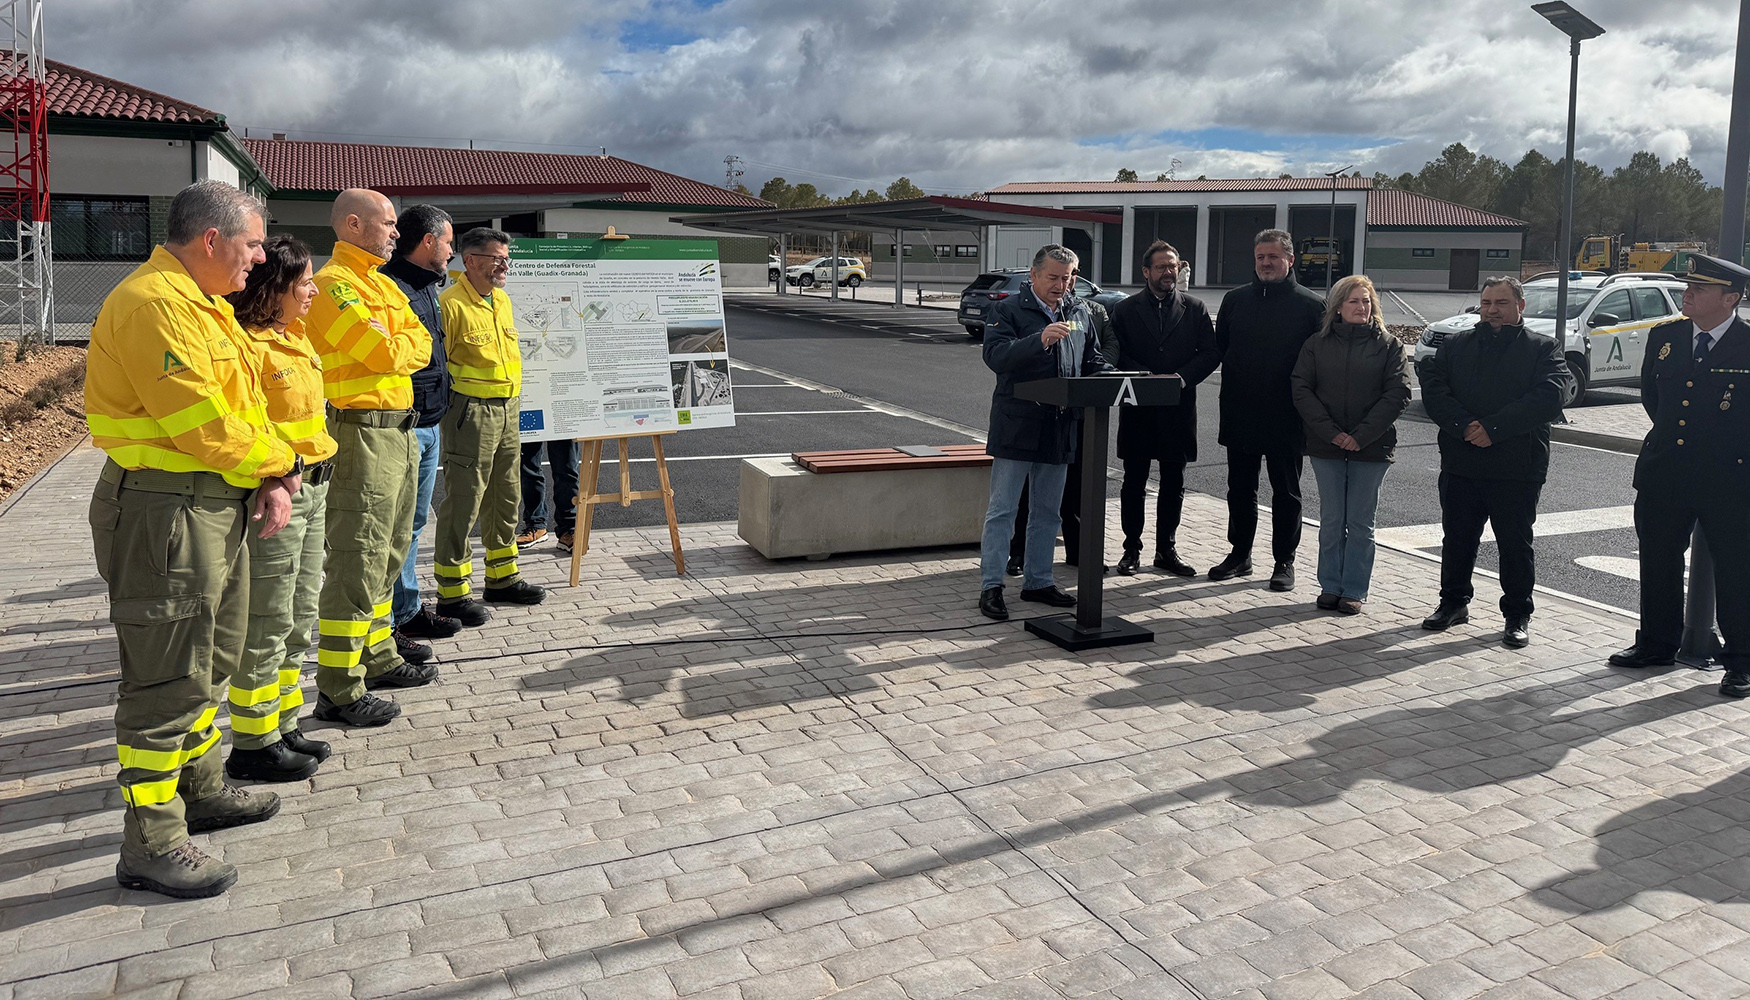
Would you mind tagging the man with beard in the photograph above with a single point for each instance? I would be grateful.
(1494, 390)
(1167, 332)
(371, 342)
(1259, 332)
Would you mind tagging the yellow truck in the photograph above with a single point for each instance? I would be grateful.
(1613, 254)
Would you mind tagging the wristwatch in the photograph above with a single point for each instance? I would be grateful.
(297, 466)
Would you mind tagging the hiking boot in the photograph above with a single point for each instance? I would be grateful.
(530, 536)
(307, 746)
(520, 592)
(426, 623)
(468, 611)
(1236, 564)
(274, 762)
(368, 711)
(232, 806)
(412, 652)
(406, 674)
(184, 872)
(565, 541)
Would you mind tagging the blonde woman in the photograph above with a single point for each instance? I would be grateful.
(285, 570)
(1350, 385)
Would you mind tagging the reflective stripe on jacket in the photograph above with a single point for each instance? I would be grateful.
(167, 385)
(480, 338)
(291, 381)
(365, 367)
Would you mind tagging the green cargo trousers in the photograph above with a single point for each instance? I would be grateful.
(482, 450)
(170, 545)
(370, 526)
(285, 579)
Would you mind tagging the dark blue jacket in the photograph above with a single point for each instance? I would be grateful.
(1021, 429)
(431, 384)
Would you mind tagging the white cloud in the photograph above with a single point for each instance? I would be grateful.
(958, 94)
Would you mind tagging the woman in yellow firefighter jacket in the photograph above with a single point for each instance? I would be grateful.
(285, 570)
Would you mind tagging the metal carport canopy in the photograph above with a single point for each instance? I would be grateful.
(931, 212)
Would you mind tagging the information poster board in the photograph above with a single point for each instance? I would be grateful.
(620, 337)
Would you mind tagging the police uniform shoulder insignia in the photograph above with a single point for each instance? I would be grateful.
(1665, 352)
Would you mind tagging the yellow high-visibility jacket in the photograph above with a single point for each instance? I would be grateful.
(364, 368)
(480, 346)
(291, 380)
(167, 385)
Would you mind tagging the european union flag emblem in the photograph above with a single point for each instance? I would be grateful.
(531, 420)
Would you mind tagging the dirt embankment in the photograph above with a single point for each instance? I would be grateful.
(42, 411)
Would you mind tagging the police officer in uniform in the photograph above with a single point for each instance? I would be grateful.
(1695, 468)
(193, 464)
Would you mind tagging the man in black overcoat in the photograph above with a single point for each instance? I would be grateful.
(1695, 468)
(1259, 330)
(1162, 330)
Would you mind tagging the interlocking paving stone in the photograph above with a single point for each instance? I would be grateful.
(1266, 802)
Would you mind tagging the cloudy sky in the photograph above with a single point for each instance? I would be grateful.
(960, 95)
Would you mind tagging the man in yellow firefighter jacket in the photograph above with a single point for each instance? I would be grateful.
(192, 465)
(482, 445)
(371, 343)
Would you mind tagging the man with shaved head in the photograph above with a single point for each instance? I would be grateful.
(371, 342)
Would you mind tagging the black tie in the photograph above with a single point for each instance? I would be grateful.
(1702, 344)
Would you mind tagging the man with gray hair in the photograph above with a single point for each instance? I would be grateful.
(1043, 332)
(1259, 331)
(482, 437)
(193, 464)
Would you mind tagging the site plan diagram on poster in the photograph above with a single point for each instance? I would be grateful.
(620, 337)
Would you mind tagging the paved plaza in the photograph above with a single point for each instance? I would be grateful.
(782, 781)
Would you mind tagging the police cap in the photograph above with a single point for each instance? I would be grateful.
(1705, 270)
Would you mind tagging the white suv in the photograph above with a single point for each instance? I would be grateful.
(804, 275)
(1608, 319)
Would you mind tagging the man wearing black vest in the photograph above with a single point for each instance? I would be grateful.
(1493, 390)
(422, 251)
(1695, 467)
(1164, 331)
(1259, 332)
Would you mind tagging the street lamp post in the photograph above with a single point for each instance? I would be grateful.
(1578, 28)
(1331, 245)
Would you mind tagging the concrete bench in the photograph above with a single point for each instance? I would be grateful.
(818, 504)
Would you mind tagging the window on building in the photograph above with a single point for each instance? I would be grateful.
(97, 228)
(1422, 252)
(944, 250)
(966, 251)
(893, 251)
(1500, 254)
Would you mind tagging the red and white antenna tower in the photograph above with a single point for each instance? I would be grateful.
(26, 259)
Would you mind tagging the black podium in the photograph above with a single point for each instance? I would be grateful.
(1094, 395)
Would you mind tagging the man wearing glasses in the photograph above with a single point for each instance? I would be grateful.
(482, 444)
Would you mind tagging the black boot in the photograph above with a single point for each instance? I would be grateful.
(307, 746)
(520, 592)
(274, 762)
(1236, 564)
(990, 604)
(1448, 614)
(1518, 632)
(369, 710)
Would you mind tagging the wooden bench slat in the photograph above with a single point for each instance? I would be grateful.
(955, 456)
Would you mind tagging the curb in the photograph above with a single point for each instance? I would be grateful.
(29, 484)
(1595, 439)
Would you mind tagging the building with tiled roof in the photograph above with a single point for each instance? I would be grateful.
(1400, 239)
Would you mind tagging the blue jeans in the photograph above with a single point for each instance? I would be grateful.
(562, 458)
(407, 585)
(1348, 501)
(1007, 476)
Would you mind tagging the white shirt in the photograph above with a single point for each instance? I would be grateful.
(1714, 335)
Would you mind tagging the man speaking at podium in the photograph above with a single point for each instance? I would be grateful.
(1043, 332)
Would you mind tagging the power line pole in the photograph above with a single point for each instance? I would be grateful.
(732, 171)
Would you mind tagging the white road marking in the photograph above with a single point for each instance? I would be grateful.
(1628, 567)
(793, 413)
(975, 433)
(1565, 522)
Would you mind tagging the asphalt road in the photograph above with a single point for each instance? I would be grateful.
(870, 377)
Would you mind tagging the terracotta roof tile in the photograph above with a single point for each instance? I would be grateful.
(296, 165)
(1391, 207)
(79, 93)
